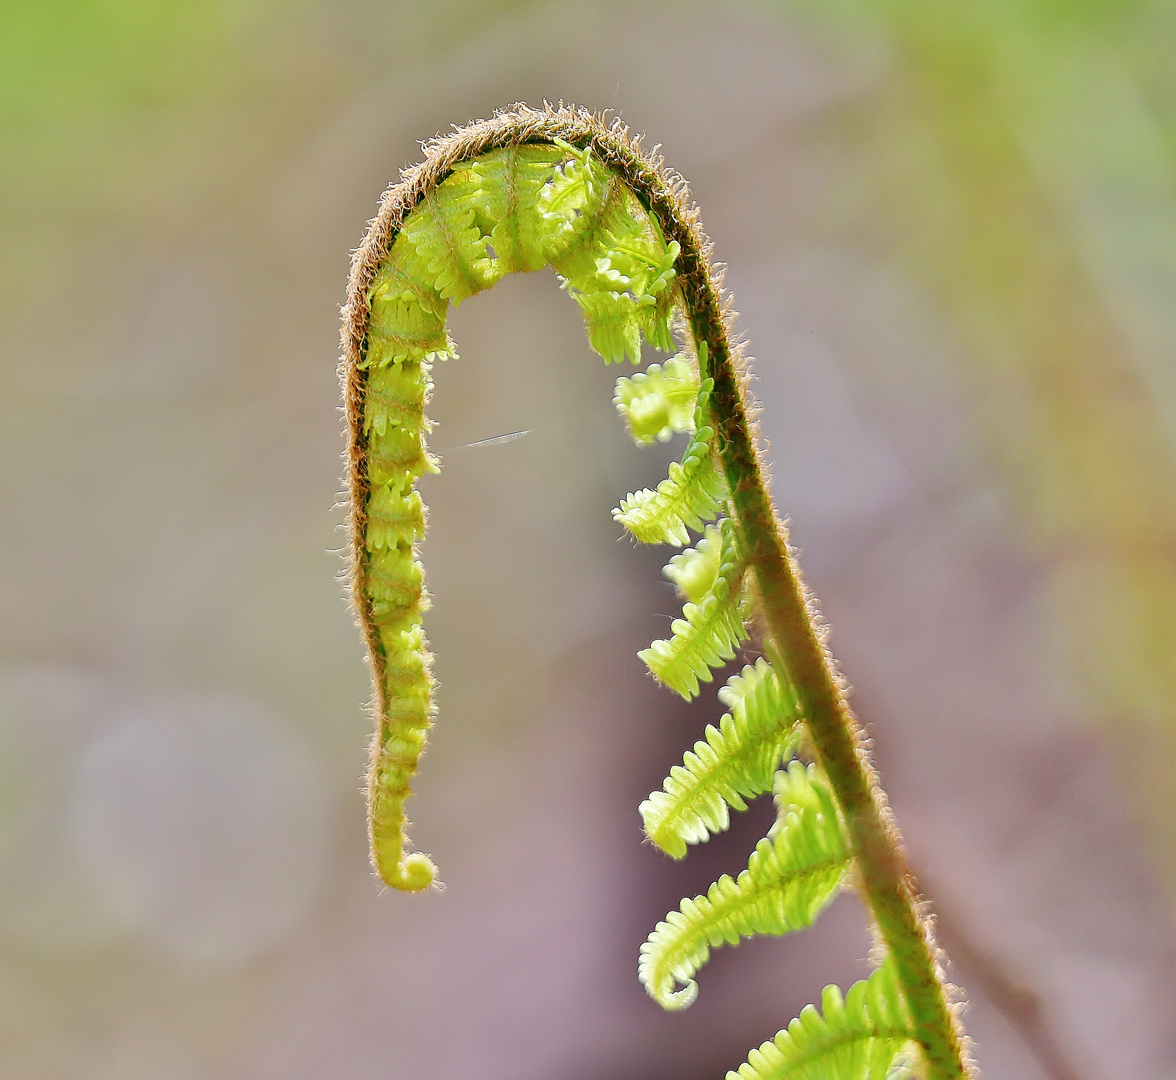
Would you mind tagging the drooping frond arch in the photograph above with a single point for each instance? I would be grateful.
(558, 187)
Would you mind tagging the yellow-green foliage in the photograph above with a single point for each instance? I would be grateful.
(694, 570)
(710, 630)
(659, 402)
(515, 209)
(857, 1037)
(478, 211)
(737, 761)
(791, 876)
(693, 493)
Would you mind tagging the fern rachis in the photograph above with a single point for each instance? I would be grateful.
(557, 187)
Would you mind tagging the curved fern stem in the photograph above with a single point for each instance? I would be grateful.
(559, 187)
(790, 618)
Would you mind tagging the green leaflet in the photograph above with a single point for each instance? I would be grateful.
(571, 200)
(709, 632)
(790, 878)
(737, 761)
(693, 493)
(514, 209)
(659, 402)
(694, 570)
(511, 186)
(855, 1038)
(441, 245)
(619, 269)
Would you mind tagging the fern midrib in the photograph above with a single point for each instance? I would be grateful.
(638, 253)
(777, 887)
(395, 407)
(714, 615)
(403, 339)
(510, 179)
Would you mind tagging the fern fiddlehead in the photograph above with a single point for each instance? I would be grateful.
(531, 188)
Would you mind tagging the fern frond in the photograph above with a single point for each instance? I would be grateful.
(395, 397)
(395, 424)
(605, 217)
(407, 686)
(633, 288)
(692, 494)
(512, 182)
(658, 402)
(737, 761)
(855, 1038)
(558, 186)
(408, 317)
(790, 878)
(616, 265)
(710, 631)
(395, 517)
(572, 201)
(442, 246)
(694, 570)
(611, 320)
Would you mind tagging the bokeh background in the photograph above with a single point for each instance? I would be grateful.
(951, 233)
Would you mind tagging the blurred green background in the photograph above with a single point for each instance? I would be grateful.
(951, 233)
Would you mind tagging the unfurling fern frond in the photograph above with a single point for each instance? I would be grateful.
(442, 246)
(789, 880)
(709, 632)
(855, 1038)
(619, 269)
(737, 761)
(659, 402)
(515, 208)
(572, 199)
(511, 186)
(692, 494)
(407, 318)
(694, 570)
(558, 188)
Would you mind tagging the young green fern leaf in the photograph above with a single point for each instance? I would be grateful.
(558, 188)
(792, 875)
(856, 1037)
(737, 761)
(693, 493)
(618, 267)
(694, 570)
(711, 629)
(511, 186)
(516, 208)
(658, 403)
